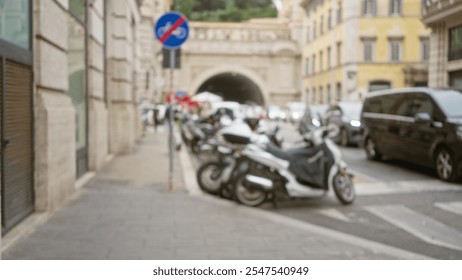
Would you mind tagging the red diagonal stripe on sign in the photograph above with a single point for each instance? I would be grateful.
(173, 28)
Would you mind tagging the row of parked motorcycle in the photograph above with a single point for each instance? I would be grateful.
(244, 161)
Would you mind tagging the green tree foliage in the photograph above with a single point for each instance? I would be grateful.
(225, 10)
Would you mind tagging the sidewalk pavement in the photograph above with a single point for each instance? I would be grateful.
(126, 212)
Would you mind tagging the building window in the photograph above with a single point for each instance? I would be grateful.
(321, 26)
(314, 29)
(329, 95)
(313, 95)
(339, 91)
(329, 19)
(379, 85)
(395, 7)
(328, 58)
(321, 95)
(339, 13)
(368, 50)
(320, 62)
(455, 80)
(395, 50)
(307, 67)
(455, 43)
(313, 61)
(339, 53)
(77, 8)
(308, 34)
(15, 22)
(425, 49)
(77, 78)
(369, 7)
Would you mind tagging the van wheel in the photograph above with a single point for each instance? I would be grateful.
(446, 167)
(371, 150)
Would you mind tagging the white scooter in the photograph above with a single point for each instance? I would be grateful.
(214, 176)
(306, 172)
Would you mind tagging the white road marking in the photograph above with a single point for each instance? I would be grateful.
(381, 188)
(453, 207)
(334, 214)
(421, 226)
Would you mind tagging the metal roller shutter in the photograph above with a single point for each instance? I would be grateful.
(17, 156)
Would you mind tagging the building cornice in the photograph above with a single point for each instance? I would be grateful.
(441, 10)
(305, 3)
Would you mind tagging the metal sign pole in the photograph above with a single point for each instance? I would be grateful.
(171, 122)
(172, 31)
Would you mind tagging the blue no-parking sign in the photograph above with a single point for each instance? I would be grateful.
(172, 29)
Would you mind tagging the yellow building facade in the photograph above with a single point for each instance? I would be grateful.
(352, 47)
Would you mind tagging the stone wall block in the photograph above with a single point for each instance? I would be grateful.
(121, 117)
(96, 84)
(96, 29)
(98, 134)
(120, 48)
(64, 3)
(120, 27)
(98, 6)
(49, 14)
(120, 8)
(96, 55)
(55, 156)
(121, 70)
(52, 66)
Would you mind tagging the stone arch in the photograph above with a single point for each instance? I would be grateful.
(215, 71)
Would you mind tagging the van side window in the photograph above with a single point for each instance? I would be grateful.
(373, 105)
(423, 104)
(389, 102)
(404, 107)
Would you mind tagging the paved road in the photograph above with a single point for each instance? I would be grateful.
(398, 204)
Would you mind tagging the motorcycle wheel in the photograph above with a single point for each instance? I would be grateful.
(344, 189)
(208, 177)
(244, 195)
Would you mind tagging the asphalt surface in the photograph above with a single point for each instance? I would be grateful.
(398, 204)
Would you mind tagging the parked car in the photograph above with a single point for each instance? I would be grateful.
(346, 116)
(313, 117)
(275, 113)
(420, 125)
(295, 111)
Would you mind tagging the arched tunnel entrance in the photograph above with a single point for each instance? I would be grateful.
(233, 87)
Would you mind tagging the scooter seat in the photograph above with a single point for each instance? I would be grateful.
(291, 154)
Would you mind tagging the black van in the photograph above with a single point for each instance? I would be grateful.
(420, 125)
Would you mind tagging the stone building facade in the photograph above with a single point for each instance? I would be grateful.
(445, 20)
(355, 47)
(256, 61)
(73, 74)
